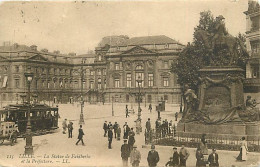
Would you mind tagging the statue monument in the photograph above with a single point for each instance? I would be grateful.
(219, 107)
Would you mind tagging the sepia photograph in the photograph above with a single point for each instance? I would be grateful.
(171, 83)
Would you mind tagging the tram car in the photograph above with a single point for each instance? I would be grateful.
(43, 117)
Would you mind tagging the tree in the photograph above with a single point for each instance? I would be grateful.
(199, 53)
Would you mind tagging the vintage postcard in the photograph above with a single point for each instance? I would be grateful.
(130, 83)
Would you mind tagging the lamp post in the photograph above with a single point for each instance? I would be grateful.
(138, 121)
(81, 117)
(28, 147)
(112, 105)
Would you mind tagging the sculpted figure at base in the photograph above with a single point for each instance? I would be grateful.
(190, 101)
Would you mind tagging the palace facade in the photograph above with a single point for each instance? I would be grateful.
(109, 73)
(252, 81)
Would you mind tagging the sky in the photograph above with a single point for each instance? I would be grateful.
(71, 26)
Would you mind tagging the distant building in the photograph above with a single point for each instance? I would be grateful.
(252, 82)
(110, 72)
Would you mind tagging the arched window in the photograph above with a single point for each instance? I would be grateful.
(139, 67)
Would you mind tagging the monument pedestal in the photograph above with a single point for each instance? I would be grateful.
(220, 97)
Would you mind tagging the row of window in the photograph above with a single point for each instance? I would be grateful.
(139, 80)
(64, 84)
(140, 67)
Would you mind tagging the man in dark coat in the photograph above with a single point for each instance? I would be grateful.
(110, 137)
(126, 130)
(80, 136)
(153, 157)
(70, 128)
(213, 159)
(148, 125)
(131, 140)
(176, 157)
(105, 127)
(150, 108)
(200, 160)
(115, 128)
(109, 125)
(125, 153)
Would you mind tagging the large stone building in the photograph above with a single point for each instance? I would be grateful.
(252, 82)
(109, 73)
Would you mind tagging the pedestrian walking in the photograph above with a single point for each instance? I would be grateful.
(150, 107)
(110, 137)
(243, 150)
(135, 156)
(200, 159)
(64, 126)
(170, 127)
(176, 116)
(169, 163)
(115, 128)
(131, 140)
(153, 157)
(105, 127)
(148, 125)
(126, 130)
(184, 154)
(176, 157)
(70, 129)
(213, 159)
(126, 111)
(80, 136)
(118, 131)
(125, 153)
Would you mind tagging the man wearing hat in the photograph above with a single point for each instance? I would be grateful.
(184, 154)
(213, 159)
(153, 157)
(176, 157)
(125, 152)
(105, 127)
(135, 156)
(110, 137)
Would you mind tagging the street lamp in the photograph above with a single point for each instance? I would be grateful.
(138, 121)
(28, 147)
(112, 105)
(81, 117)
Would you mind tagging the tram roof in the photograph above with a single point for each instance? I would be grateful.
(24, 107)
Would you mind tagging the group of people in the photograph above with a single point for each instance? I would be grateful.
(112, 131)
(69, 126)
(163, 127)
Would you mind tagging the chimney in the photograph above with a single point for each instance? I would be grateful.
(72, 54)
(56, 52)
(44, 50)
(33, 47)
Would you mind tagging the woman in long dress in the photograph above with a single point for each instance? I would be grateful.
(243, 150)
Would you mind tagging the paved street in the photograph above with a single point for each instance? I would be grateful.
(96, 152)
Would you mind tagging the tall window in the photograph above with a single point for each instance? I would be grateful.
(166, 64)
(128, 80)
(54, 84)
(76, 84)
(16, 68)
(165, 81)
(91, 84)
(117, 83)
(17, 83)
(98, 72)
(91, 73)
(150, 80)
(104, 72)
(99, 83)
(117, 66)
(105, 83)
(43, 83)
(141, 76)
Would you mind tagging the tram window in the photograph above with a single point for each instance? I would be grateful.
(30, 114)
